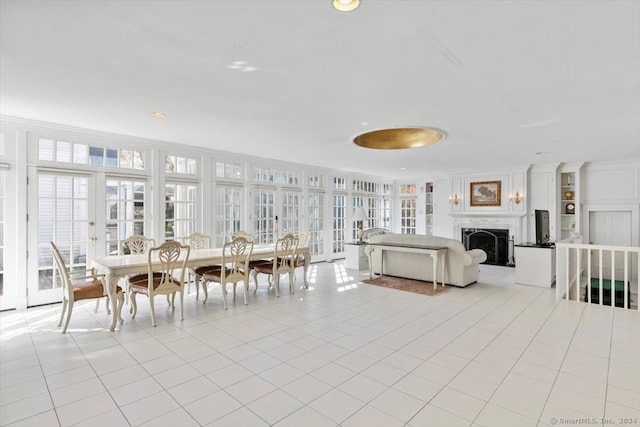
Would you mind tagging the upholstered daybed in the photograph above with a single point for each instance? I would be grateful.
(462, 266)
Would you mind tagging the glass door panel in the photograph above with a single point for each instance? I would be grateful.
(339, 223)
(62, 211)
(316, 224)
(263, 216)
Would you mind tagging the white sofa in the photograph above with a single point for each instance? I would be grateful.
(462, 266)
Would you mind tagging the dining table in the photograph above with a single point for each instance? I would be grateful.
(115, 267)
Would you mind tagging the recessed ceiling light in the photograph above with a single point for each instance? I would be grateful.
(249, 69)
(346, 5)
(364, 123)
(403, 169)
(158, 115)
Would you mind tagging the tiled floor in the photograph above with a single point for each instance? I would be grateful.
(341, 354)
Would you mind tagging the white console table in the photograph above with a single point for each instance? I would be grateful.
(354, 256)
(437, 253)
(535, 265)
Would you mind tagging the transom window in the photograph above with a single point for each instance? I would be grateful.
(365, 186)
(276, 176)
(226, 170)
(407, 189)
(339, 183)
(179, 164)
(316, 181)
(53, 150)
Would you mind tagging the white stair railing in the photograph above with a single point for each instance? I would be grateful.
(581, 266)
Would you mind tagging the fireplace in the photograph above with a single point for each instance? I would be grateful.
(495, 242)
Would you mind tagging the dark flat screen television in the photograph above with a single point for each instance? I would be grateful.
(542, 227)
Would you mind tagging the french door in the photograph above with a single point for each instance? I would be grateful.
(315, 224)
(339, 225)
(62, 210)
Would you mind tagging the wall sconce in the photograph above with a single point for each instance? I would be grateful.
(517, 198)
(455, 199)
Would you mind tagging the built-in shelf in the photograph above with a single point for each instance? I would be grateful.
(569, 205)
(428, 208)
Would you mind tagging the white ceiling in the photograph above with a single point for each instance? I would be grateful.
(505, 80)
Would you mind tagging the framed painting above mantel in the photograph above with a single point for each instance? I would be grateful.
(485, 193)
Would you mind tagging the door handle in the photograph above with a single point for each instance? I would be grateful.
(93, 239)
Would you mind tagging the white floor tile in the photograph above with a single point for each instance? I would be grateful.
(461, 404)
(370, 416)
(306, 388)
(495, 416)
(178, 417)
(305, 416)
(25, 408)
(85, 409)
(348, 354)
(398, 404)
(48, 418)
(431, 415)
(275, 406)
(241, 417)
(212, 407)
(148, 408)
(336, 405)
(248, 390)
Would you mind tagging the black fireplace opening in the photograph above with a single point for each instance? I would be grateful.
(494, 242)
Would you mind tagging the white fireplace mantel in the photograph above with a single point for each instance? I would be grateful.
(488, 214)
(512, 221)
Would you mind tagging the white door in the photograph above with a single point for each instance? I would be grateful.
(609, 228)
(62, 210)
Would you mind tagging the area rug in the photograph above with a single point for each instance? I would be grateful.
(408, 285)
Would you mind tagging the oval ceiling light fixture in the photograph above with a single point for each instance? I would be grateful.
(158, 115)
(399, 138)
(346, 5)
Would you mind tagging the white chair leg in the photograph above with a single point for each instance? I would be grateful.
(181, 304)
(66, 323)
(245, 287)
(95, 310)
(292, 288)
(223, 287)
(120, 300)
(277, 284)
(153, 311)
(65, 303)
(205, 291)
(255, 280)
(134, 305)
